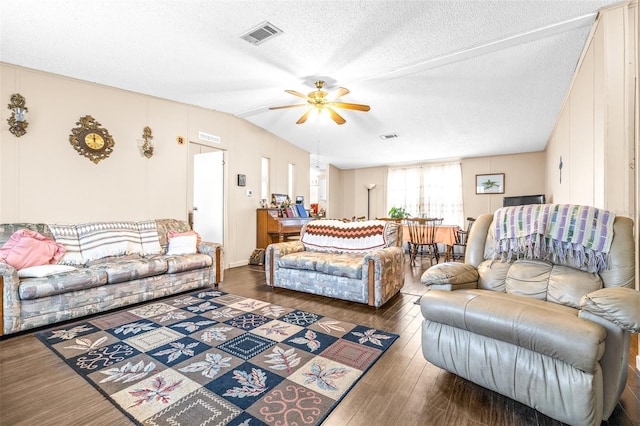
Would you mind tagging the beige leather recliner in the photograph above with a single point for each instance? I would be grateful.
(550, 336)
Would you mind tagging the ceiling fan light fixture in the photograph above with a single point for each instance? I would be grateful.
(321, 102)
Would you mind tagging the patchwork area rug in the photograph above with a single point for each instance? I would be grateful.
(215, 358)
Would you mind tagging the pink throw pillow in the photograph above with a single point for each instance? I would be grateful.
(27, 248)
(172, 234)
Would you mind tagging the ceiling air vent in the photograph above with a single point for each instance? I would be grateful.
(261, 33)
(389, 136)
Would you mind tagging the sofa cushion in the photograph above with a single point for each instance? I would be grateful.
(128, 268)
(301, 260)
(337, 264)
(335, 236)
(103, 239)
(342, 265)
(67, 235)
(78, 279)
(166, 225)
(187, 262)
(149, 237)
(40, 271)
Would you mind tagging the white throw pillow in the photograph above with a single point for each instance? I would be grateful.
(43, 271)
(184, 244)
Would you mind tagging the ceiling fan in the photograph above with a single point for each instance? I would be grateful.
(319, 100)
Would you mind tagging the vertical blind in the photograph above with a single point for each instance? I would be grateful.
(428, 190)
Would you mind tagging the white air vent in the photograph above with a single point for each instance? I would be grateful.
(261, 33)
(389, 136)
(208, 137)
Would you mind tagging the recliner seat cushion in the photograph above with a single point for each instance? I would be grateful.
(550, 329)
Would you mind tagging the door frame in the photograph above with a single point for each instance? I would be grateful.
(225, 193)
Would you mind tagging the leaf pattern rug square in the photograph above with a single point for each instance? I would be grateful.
(214, 358)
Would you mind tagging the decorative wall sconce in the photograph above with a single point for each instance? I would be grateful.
(17, 122)
(147, 147)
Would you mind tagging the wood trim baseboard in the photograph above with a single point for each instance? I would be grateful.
(1, 306)
(270, 267)
(371, 283)
(218, 266)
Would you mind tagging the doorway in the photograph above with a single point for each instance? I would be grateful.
(208, 192)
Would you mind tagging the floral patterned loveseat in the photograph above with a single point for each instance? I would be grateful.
(356, 261)
(105, 265)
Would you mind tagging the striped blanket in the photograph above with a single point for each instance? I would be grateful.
(578, 236)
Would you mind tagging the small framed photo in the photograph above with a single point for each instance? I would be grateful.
(242, 180)
(490, 184)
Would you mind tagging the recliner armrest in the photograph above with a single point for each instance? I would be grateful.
(620, 305)
(450, 276)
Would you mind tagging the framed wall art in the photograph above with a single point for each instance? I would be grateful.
(490, 184)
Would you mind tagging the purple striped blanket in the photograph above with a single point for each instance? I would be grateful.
(578, 236)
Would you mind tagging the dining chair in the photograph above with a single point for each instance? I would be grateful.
(422, 238)
(461, 240)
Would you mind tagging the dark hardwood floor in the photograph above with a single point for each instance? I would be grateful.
(37, 388)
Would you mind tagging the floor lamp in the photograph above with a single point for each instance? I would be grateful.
(369, 187)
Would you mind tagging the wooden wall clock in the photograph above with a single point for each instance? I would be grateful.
(91, 140)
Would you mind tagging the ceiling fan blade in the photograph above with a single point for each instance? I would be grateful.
(336, 117)
(304, 116)
(298, 94)
(357, 107)
(340, 92)
(289, 106)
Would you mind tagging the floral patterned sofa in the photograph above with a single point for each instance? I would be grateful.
(356, 261)
(102, 266)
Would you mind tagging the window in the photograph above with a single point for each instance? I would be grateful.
(264, 181)
(428, 190)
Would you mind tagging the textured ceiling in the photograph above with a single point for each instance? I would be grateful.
(453, 79)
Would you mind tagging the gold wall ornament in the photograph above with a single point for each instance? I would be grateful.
(17, 122)
(147, 147)
(91, 140)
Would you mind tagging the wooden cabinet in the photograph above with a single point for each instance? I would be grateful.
(272, 227)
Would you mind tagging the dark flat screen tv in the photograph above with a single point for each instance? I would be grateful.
(522, 200)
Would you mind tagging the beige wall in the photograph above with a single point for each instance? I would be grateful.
(42, 178)
(524, 175)
(594, 133)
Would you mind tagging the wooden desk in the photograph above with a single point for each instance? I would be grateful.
(272, 228)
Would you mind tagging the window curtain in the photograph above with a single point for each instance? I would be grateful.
(428, 190)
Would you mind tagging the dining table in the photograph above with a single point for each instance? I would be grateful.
(443, 234)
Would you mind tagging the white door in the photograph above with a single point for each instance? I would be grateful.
(208, 194)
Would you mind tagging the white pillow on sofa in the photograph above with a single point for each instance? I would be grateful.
(43, 270)
(183, 244)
